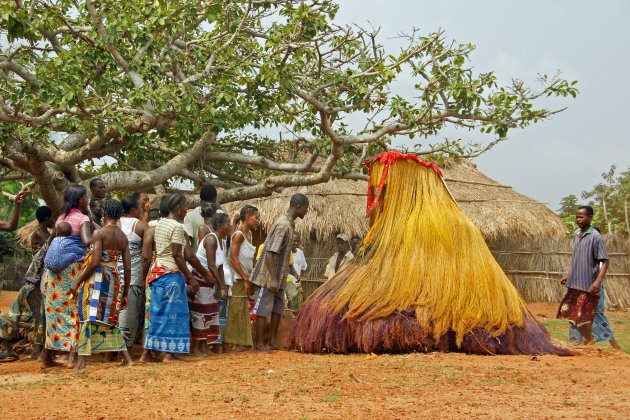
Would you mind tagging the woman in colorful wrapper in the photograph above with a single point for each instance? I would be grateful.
(98, 289)
(169, 331)
(64, 262)
(207, 331)
(134, 228)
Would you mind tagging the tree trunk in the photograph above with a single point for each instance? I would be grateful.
(625, 209)
(608, 223)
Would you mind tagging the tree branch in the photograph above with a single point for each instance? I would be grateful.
(134, 180)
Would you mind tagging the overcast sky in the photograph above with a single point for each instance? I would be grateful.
(587, 41)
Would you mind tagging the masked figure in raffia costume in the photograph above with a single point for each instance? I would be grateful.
(424, 279)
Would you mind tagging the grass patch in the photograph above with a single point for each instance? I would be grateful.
(332, 397)
(559, 329)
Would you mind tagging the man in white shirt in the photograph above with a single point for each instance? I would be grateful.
(293, 291)
(194, 219)
(341, 257)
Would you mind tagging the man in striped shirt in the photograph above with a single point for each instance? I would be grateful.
(585, 278)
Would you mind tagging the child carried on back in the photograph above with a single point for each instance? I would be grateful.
(64, 249)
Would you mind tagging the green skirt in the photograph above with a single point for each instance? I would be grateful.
(96, 337)
(238, 330)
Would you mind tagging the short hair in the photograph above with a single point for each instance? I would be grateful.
(136, 194)
(246, 211)
(218, 219)
(164, 205)
(63, 229)
(298, 200)
(208, 209)
(154, 213)
(93, 202)
(208, 193)
(43, 213)
(95, 181)
(174, 200)
(112, 209)
(129, 203)
(587, 209)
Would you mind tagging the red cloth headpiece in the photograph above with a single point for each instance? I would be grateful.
(387, 158)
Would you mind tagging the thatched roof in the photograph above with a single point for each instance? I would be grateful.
(336, 206)
(339, 206)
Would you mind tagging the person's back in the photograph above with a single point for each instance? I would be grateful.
(113, 238)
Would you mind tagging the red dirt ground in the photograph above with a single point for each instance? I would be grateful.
(291, 385)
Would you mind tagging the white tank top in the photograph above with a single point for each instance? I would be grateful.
(219, 256)
(246, 255)
(128, 226)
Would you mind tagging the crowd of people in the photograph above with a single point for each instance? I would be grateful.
(114, 274)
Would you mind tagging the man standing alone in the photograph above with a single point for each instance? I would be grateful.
(270, 274)
(585, 278)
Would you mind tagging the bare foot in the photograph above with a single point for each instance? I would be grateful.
(263, 349)
(238, 348)
(46, 364)
(170, 358)
(110, 357)
(125, 362)
(197, 352)
(277, 346)
(80, 364)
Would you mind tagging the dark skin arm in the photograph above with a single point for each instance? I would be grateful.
(598, 282)
(237, 241)
(211, 252)
(86, 233)
(126, 257)
(202, 232)
(148, 245)
(11, 225)
(270, 262)
(192, 259)
(88, 270)
(180, 261)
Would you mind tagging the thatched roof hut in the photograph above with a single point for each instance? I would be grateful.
(336, 206)
(528, 240)
(340, 205)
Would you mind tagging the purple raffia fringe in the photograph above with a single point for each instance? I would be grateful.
(315, 330)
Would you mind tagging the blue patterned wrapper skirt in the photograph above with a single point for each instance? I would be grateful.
(170, 322)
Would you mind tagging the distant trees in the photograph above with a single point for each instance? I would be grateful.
(609, 199)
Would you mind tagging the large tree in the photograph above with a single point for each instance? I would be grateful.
(251, 95)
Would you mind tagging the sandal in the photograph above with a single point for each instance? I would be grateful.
(7, 356)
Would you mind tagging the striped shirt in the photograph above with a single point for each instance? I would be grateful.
(588, 252)
(75, 218)
(167, 232)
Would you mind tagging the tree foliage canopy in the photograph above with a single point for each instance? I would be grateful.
(610, 200)
(252, 95)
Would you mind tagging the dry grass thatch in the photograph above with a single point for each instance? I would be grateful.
(339, 206)
(336, 206)
(24, 234)
(497, 209)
